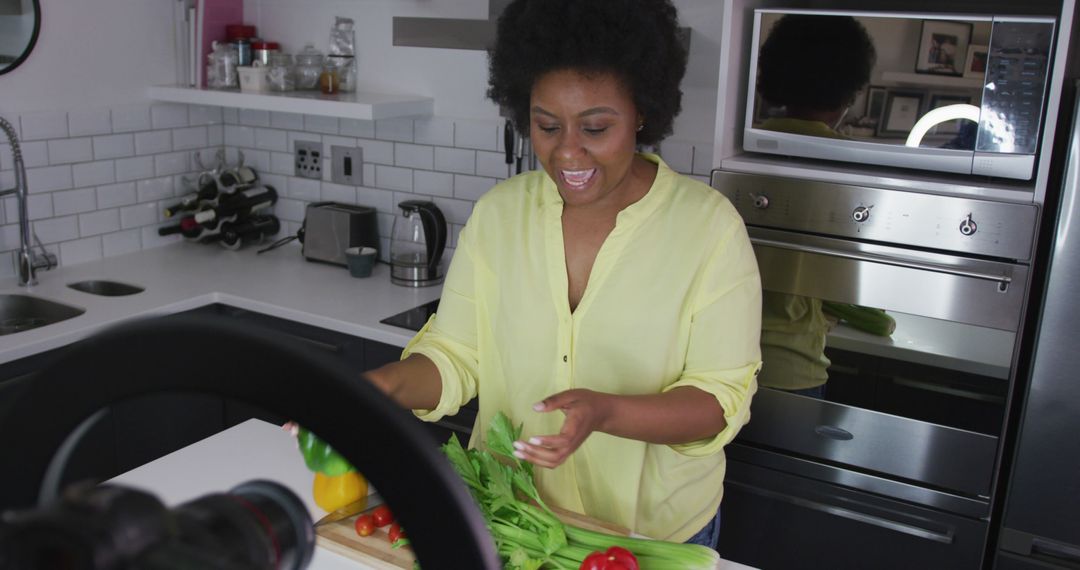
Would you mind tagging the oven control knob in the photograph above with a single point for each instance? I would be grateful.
(761, 201)
(968, 226)
(861, 214)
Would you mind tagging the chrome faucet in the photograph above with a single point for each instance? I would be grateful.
(26, 261)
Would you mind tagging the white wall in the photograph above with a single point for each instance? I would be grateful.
(92, 54)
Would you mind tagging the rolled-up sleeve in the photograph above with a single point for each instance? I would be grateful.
(724, 355)
(449, 337)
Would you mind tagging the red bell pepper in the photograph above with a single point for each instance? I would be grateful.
(614, 558)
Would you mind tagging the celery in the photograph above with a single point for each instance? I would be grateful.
(530, 536)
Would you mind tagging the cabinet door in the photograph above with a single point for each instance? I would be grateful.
(771, 519)
(151, 426)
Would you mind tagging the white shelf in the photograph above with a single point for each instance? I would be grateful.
(930, 80)
(358, 105)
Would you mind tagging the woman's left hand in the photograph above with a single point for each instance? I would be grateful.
(585, 412)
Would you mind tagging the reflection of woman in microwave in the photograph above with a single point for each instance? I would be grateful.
(606, 302)
(813, 67)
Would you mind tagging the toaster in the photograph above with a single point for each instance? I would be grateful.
(330, 228)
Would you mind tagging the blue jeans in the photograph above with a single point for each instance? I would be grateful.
(709, 535)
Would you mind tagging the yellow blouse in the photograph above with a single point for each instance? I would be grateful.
(674, 299)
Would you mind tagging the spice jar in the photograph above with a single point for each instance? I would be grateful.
(308, 68)
(329, 80)
(240, 37)
(279, 74)
(221, 67)
(260, 51)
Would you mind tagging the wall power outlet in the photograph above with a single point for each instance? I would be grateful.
(309, 159)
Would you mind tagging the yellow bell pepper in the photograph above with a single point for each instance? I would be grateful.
(332, 493)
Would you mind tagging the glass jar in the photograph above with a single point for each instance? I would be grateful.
(329, 80)
(309, 63)
(221, 67)
(261, 51)
(346, 70)
(279, 74)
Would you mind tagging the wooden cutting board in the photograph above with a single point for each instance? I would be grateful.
(375, 551)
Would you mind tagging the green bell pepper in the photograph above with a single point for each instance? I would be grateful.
(320, 457)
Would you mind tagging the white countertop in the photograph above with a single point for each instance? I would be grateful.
(281, 283)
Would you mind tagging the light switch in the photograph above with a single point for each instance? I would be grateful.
(347, 165)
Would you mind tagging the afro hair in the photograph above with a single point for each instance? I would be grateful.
(815, 62)
(635, 40)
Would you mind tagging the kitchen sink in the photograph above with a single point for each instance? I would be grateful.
(24, 312)
(106, 288)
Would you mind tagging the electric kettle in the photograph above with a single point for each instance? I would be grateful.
(417, 244)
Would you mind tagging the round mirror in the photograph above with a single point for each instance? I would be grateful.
(20, 22)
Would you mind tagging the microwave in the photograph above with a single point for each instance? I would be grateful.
(961, 94)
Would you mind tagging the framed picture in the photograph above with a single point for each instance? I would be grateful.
(875, 103)
(902, 110)
(975, 65)
(942, 100)
(943, 47)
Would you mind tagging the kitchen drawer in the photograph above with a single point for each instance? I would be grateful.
(776, 520)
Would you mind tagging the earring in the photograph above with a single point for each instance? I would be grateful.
(640, 126)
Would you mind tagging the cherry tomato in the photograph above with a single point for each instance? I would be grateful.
(382, 516)
(396, 533)
(365, 525)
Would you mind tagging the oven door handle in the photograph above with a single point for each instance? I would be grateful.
(1002, 280)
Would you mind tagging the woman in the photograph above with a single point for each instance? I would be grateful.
(607, 303)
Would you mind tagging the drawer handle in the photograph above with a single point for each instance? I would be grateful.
(833, 432)
(314, 343)
(918, 532)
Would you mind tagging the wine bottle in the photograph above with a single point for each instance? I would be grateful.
(239, 177)
(241, 204)
(235, 235)
(207, 191)
(187, 227)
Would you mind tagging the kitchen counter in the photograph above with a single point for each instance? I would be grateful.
(282, 283)
(251, 450)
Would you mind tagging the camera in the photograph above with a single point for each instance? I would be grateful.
(256, 525)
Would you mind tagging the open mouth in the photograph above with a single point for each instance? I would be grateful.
(577, 179)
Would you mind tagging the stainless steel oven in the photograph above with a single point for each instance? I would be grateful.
(894, 458)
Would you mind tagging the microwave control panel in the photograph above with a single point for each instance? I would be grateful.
(1017, 72)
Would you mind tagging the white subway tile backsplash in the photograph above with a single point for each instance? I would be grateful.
(386, 227)
(287, 121)
(278, 181)
(168, 115)
(433, 183)
(74, 201)
(334, 140)
(455, 160)
(139, 215)
(254, 118)
(357, 128)
(34, 153)
(493, 164)
(49, 178)
(171, 163)
(471, 187)
(377, 152)
(289, 210)
(282, 163)
(114, 146)
(150, 238)
(38, 207)
(303, 189)
(230, 115)
(153, 142)
(260, 160)
(393, 178)
(368, 171)
(85, 122)
(81, 250)
(338, 193)
(215, 135)
(93, 173)
(114, 195)
(480, 135)
(414, 156)
(119, 243)
(320, 124)
(455, 211)
(243, 137)
(130, 118)
(381, 200)
(43, 125)
(399, 130)
(153, 189)
(134, 168)
(66, 151)
(9, 239)
(272, 139)
(99, 222)
(189, 138)
(434, 131)
(55, 230)
(203, 115)
(303, 136)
